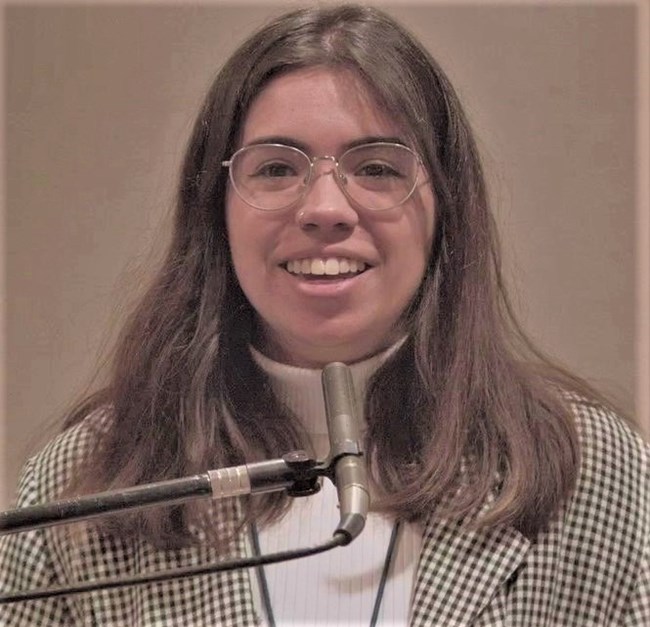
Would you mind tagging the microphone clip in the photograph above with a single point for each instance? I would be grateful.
(306, 472)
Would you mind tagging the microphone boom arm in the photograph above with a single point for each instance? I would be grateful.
(295, 472)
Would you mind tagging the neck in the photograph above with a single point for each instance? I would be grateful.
(300, 389)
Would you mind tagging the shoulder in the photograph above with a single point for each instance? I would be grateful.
(608, 516)
(588, 566)
(615, 460)
(49, 471)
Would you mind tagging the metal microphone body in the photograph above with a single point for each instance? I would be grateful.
(350, 468)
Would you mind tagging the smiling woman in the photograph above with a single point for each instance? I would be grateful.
(317, 315)
(332, 207)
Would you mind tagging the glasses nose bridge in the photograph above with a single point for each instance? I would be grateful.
(335, 170)
(314, 161)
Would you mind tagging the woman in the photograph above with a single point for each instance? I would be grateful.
(332, 208)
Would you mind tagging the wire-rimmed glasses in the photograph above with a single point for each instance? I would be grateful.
(376, 176)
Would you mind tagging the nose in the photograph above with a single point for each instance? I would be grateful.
(325, 209)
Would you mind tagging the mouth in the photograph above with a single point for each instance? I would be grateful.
(325, 268)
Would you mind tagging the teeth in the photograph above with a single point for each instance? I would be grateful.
(331, 266)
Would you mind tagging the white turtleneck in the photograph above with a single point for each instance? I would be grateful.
(338, 587)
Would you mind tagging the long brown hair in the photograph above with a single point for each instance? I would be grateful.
(465, 396)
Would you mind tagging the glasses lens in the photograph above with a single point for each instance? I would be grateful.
(379, 176)
(270, 176)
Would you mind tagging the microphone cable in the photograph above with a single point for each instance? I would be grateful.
(339, 538)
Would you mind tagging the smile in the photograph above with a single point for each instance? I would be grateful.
(332, 266)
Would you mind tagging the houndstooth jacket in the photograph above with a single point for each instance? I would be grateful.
(591, 568)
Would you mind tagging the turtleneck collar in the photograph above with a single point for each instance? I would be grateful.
(301, 389)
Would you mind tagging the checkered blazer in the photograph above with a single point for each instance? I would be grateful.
(591, 568)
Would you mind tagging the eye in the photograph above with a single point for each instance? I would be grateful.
(275, 170)
(376, 169)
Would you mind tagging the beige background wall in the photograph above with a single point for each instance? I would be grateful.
(99, 102)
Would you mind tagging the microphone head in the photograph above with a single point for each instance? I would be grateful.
(345, 449)
(340, 408)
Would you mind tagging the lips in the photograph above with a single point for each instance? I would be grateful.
(330, 266)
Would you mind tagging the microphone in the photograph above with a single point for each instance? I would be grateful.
(350, 468)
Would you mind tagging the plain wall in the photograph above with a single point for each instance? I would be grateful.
(99, 102)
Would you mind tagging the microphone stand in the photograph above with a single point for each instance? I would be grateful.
(295, 472)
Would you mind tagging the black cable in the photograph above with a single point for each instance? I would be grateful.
(338, 539)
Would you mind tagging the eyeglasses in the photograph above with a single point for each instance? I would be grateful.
(375, 176)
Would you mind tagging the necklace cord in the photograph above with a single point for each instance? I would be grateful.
(388, 562)
(261, 577)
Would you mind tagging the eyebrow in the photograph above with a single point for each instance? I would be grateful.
(294, 143)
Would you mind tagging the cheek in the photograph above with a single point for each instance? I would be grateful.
(422, 222)
(418, 253)
(241, 250)
(429, 217)
(409, 271)
(251, 238)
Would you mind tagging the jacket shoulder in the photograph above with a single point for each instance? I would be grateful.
(605, 527)
(50, 470)
(588, 567)
(615, 460)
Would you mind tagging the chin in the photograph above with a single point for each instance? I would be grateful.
(349, 350)
(324, 341)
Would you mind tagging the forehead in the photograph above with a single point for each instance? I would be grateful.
(322, 108)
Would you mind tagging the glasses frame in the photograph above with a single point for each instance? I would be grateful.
(338, 175)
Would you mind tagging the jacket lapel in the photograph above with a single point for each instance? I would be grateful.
(460, 571)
